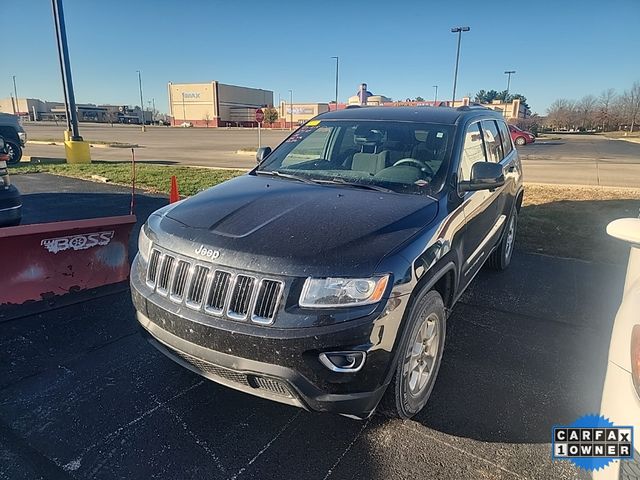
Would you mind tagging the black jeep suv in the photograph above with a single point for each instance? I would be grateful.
(323, 277)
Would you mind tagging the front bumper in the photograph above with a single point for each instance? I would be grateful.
(279, 364)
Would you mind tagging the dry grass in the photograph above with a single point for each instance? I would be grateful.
(570, 221)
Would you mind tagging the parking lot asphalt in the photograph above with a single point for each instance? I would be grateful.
(82, 395)
(565, 159)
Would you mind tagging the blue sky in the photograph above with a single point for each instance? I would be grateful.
(400, 48)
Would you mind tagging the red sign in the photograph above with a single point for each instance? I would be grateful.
(259, 115)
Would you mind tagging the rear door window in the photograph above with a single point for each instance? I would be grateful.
(472, 151)
(492, 141)
(507, 146)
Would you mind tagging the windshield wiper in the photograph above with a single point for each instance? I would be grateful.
(365, 186)
(275, 173)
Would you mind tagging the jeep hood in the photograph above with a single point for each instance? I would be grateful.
(285, 227)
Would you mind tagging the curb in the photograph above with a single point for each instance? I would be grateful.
(246, 152)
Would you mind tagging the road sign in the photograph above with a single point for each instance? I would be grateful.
(259, 115)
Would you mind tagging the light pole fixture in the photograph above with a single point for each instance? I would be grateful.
(459, 31)
(141, 100)
(337, 66)
(508, 73)
(435, 96)
(291, 109)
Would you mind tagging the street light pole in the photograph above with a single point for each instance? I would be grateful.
(506, 97)
(15, 93)
(184, 112)
(337, 64)
(435, 97)
(291, 109)
(65, 64)
(459, 31)
(141, 100)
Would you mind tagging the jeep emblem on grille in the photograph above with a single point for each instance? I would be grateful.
(207, 252)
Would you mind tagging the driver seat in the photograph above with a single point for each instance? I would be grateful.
(371, 162)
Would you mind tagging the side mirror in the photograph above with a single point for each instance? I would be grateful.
(484, 176)
(262, 153)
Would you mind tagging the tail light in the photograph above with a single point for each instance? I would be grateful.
(635, 358)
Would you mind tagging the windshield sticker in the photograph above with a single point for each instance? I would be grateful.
(313, 123)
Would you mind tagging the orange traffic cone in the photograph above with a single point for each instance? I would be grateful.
(174, 196)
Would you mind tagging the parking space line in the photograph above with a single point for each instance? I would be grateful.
(267, 445)
(346, 450)
(200, 442)
(76, 462)
(461, 450)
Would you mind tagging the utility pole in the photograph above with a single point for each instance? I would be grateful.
(15, 92)
(459, 31)
(184, 112)
(435, 97)
(506, 97)
(337, 65)
(141, 100)
(291, 109)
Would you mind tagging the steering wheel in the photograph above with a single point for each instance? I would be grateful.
(421, 165)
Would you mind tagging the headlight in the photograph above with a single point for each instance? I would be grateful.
(23, 137)
(144, 244)
(342, 292)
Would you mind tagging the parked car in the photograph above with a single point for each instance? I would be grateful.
(621, 393)
(521, 137)
(10, 200)
(323, 277)
(14, 136)
(186, 124)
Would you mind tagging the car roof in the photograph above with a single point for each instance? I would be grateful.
(444, 115)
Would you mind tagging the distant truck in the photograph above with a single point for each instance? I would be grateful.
(14, 136)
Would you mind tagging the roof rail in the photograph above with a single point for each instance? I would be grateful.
(472, 106)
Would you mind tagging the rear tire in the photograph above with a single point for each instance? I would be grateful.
(15, 152)
(420, 355)
(520, 141)
(501, 256)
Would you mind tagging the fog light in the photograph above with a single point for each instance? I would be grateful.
(343, 362)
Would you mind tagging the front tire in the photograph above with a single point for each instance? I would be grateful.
(419, 360)
(501, 256)
(14, 151)
(520, 141)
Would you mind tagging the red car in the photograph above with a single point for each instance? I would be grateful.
(521, 137)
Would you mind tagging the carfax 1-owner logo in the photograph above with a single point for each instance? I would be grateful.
(592, 442)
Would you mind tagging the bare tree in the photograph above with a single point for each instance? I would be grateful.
(605, 102)
(207, 119)
(587, 109)
(561, 114)
(631, 105)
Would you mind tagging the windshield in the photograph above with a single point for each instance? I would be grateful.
(403, 157)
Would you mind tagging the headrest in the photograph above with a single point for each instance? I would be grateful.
(367, 136)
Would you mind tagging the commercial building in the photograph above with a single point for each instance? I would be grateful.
(511, 111)
(215, 104)
(298, 113)
(36, 110)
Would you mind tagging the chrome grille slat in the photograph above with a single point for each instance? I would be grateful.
(218, 292)
(267, 299)
(153, 267)
(166, 272)
(197, 286)
(179, 282)
(217, 295)
(241, 296)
